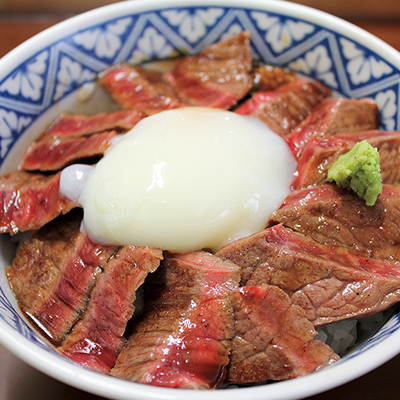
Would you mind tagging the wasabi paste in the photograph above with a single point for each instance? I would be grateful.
(360, 171)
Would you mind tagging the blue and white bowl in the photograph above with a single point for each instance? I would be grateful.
(55, 70)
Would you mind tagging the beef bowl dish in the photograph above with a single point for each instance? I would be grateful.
(201, 197)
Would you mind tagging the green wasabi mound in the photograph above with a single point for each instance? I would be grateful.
(359, 170)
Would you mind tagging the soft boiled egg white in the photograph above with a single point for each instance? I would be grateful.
(184, 179)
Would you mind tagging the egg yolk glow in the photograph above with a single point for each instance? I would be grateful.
(184, 179)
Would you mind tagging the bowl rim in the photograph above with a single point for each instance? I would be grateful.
(86, 19)
(90, 381)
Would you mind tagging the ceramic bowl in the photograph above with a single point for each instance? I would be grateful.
(55, 70)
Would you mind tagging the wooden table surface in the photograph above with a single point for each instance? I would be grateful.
(19, 381)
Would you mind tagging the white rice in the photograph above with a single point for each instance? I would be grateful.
(344, 336)
(340, 335)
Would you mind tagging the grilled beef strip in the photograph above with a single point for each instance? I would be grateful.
(332, 116)
(139, 88)
(285, 108)
(54, 154)
(274, 340)
(329, 283)
(29, 200)
(53, 274)
(319, 155)
(218, 76)
(270, 77)
(184, 337)
(68, 124)
(336, 217)
(76, 137)
(98, 337)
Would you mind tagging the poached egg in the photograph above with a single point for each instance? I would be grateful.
(183, 179)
